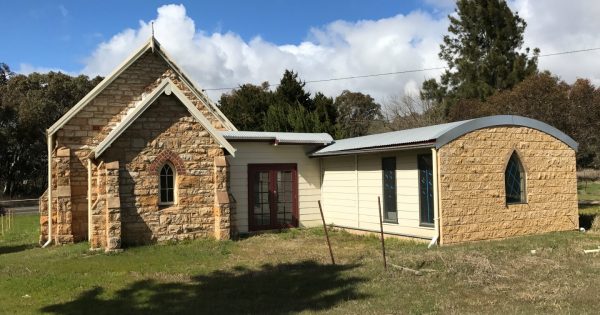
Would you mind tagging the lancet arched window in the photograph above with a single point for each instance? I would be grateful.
(167, 185)
(514, 180)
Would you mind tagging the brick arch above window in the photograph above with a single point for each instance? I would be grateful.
(167, 156)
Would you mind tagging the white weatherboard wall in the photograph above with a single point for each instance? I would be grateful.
(309, 189)
(355, 206)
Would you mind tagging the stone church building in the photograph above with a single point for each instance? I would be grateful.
(146, 157)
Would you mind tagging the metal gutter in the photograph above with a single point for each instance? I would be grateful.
(428, 144)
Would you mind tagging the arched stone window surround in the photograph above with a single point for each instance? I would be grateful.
(168, 156)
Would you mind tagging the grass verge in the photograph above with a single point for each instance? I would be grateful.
(588, 190)
(290, 272)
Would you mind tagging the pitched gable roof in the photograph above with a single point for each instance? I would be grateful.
(150, 44)
(168, 87)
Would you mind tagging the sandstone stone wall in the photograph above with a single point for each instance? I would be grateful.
(91, 125)
(62, 215)
(98, 211)
(166, 132)
(472, 191)
(222, 206)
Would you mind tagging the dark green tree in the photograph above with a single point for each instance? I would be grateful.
(289, 108)
(325, 113)
(277, 117)
(482, 51)
(291, 91)
(28, 106)
(356, 113)
(246, 107)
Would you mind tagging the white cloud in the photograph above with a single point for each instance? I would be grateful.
(557, 26)
(338, 49)
(341, 48)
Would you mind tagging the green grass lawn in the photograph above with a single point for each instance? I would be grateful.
(588, 190)
(290, 273)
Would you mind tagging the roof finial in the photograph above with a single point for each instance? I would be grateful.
(152, 37)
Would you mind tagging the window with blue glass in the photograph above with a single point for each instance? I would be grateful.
(425, 166)
(514, 180)
(390, 211)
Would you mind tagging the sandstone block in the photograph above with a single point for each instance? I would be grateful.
(63, 152)
(113, 202)
(63, 191)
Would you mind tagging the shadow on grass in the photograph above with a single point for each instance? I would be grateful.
(15, 248)
(587, 215)
(276, 289)
(586, 220)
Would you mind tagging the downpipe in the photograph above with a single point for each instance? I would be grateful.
(49, 139)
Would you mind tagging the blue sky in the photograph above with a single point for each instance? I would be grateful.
(62, 34)
(227, 43)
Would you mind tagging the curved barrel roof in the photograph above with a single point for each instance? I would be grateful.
(435, 136)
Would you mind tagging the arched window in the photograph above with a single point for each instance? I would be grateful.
(514, 180)
(166, 185)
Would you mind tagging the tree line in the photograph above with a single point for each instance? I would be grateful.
(29, 104)
(489, 73)
(290, 108)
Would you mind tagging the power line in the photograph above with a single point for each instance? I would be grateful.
(399, 72)
(344, 78)
(569, 52)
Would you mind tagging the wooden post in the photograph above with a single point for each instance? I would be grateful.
(381, 229)
(326, 233)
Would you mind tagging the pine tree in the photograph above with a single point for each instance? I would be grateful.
(291, 91)
(482, 52)
(247, 106)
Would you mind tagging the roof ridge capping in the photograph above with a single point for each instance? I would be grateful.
(435, 135)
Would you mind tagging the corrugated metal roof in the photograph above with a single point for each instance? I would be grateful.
(279, 137)
(387, 139)
(436, 136)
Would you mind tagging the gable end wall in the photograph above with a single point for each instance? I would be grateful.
(94, 122)
(166, 132)
(472, 188)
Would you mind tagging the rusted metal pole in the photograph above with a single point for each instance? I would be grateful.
(326, 233)
(381, 229)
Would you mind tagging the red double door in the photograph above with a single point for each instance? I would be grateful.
(272, 196)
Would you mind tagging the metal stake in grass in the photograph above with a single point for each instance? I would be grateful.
(326, 234)
(381, 229)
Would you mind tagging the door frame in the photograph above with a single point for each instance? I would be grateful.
(271, 167)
